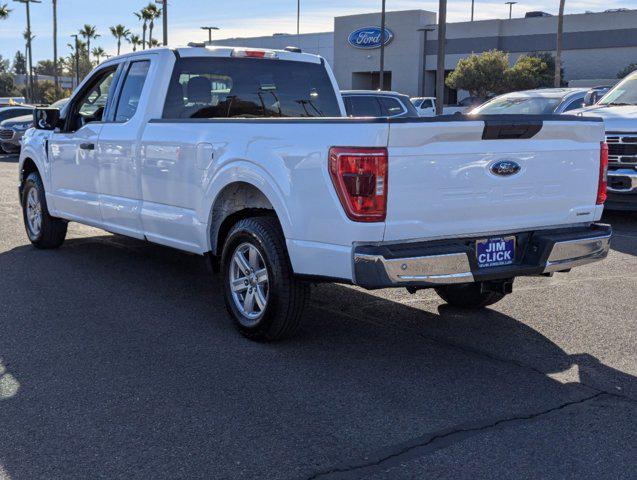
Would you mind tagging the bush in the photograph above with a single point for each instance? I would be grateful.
(489, 73)
(480, 74)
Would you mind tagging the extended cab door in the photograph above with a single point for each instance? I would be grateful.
(73, 154)
(118, 159)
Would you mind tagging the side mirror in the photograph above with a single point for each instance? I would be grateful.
(46, 118)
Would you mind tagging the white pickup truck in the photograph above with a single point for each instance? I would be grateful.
(618, 109)
(246, 156)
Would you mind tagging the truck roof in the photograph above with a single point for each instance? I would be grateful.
(225, 52)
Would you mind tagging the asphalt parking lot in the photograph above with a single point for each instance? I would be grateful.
(117, 360)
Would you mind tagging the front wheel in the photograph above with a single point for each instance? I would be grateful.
(262, 295)
(43, 230)
(468, 296)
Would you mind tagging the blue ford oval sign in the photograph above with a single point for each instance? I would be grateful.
(505, 168)
(369, 37)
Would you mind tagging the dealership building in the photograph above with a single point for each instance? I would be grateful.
(596, 46)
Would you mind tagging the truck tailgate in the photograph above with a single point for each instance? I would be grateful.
(444, 182)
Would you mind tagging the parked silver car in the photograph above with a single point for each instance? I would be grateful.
(541, 101)
(12, 129)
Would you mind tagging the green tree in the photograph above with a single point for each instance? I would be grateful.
(98, 52)
(19, 63)
(4, 11)
(89, 32)
(152, 12)
(85, 65)
(5, 65)
(528, 72)
(481, 75)
(120, 32)
(135, 41)
(7, 86)
(627, 70)
(46, 67)
(46, 92)
(143, 16)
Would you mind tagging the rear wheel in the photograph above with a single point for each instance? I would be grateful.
(43, 230)
(468, 296)
(262, 294)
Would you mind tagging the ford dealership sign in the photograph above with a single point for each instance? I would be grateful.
(369, 37)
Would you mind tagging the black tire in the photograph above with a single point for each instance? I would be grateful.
(52, 231)
(468, 296)
(286, 295)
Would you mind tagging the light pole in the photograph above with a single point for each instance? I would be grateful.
(164, 20)
(558, 47)
(472, 5)
(381, 82)
(440, 70)
(77, 61)
(30, 66)
(298, 17)
(510, 4)
(425, 31)
(210, 29)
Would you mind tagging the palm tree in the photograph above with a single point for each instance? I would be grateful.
(55, 44)
(558, 50)
(4, 12)
(153, 12)
(119, 32)
(98, 52)
(135, 41)
(89, 32)
(142, 16)
(153, 42)
(27, 42)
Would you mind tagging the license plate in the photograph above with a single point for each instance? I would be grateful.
(495, 252)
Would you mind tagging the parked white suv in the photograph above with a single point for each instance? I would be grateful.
(245, 155)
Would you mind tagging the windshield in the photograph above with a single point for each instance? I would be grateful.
(625, 93)
(519, 105)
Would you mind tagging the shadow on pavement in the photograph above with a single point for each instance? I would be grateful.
(625, 231)
(123, 359)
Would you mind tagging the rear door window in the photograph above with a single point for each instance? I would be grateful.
(249, 88)
(364, 106)
(391, 107)
(131, 90)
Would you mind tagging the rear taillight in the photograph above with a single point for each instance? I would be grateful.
(360, 179)
(603, 174)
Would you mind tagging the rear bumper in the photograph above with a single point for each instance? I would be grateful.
(447, 262)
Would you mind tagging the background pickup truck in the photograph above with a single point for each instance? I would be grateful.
(246, 156)
(618, 109)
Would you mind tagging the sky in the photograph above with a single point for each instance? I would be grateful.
(235, 18)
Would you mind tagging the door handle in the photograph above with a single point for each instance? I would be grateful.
(87, 146)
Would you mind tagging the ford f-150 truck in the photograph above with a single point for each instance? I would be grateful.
(618, 109)
(246, 156)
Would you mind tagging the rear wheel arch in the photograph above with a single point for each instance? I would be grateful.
(235, 201)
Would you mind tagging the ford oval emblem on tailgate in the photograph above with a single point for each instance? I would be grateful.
(505, 168)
